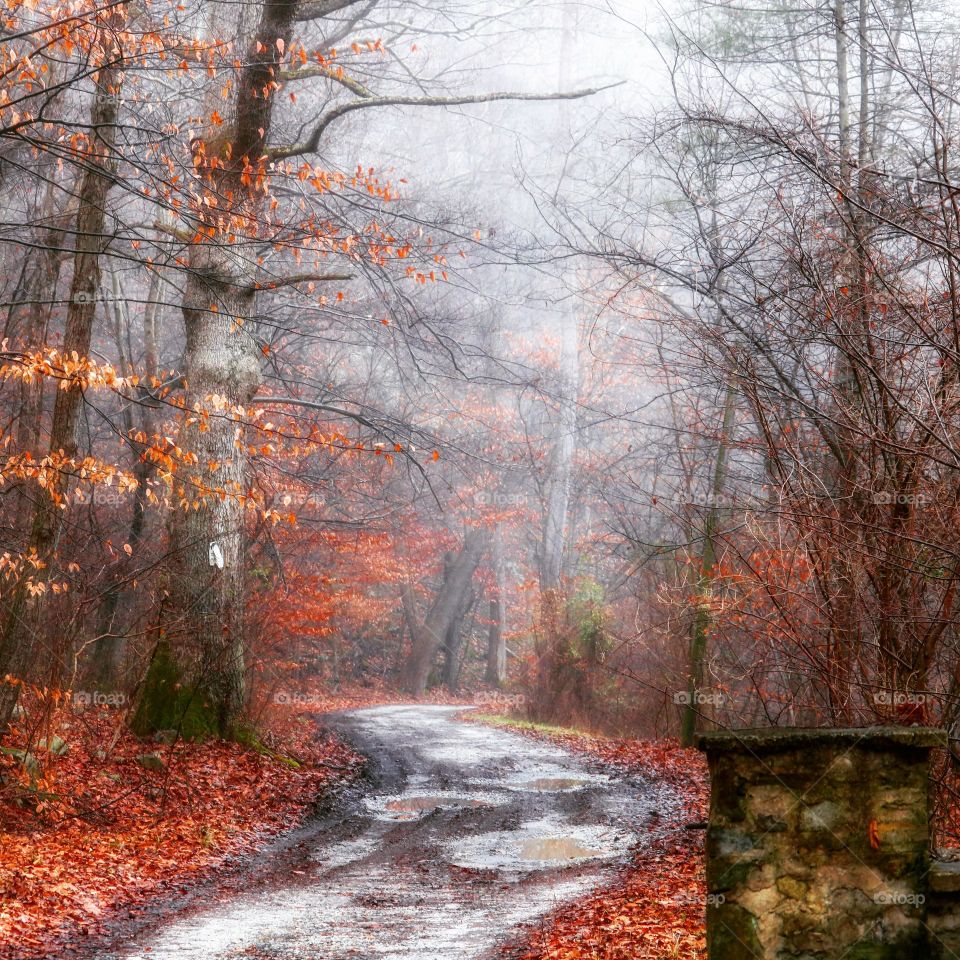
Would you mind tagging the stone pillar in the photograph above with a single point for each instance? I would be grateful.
(818, 843)
(943, 911)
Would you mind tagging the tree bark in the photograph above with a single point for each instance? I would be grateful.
(22, 644)
(428, 634)
(496, 671)
(454, 645)
(701, 614)
(204, 618)
(108, 649)
(557, 494)
(35, 291)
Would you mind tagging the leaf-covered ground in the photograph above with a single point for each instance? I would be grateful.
(655, 909)
(105, 833)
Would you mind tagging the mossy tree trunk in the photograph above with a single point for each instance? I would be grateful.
(204, 617)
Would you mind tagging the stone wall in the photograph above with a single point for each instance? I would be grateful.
(943, 911)
(818, 845)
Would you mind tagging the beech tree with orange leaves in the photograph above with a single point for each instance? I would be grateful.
(227, 215)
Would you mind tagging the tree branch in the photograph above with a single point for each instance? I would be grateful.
(278, 282)
(324, 408)
(311, 144)
(304, 73)
(322, 8)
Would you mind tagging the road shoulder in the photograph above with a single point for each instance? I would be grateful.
(655, 907)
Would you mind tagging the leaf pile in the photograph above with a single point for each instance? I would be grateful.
(654, 911)
(124, 821)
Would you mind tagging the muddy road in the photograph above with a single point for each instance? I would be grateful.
(463, 834)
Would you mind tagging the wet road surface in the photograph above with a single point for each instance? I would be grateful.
(465, 833)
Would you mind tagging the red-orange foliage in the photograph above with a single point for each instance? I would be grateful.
(114, 834)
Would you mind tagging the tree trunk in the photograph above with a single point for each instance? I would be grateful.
(557, 494)
(701, 615)
(845, 633)
(204, 618)
(427, 635)
(453, 645)
(496, 671)
(34, 293)
(22, 644)
(496, 647)
(108, 650)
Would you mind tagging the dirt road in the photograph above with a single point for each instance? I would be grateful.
(465, 833)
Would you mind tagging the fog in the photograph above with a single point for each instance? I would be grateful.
(485, 346)
(593, 365)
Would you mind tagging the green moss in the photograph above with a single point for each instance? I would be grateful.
(499, 720)
(914, 943)
(732, 932)
(249, 737)
(168, 703)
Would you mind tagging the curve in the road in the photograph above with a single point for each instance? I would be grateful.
(468, 832)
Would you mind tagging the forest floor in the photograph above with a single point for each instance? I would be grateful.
(461, 835)
(576, 841)
(654, 909)
(114, 825)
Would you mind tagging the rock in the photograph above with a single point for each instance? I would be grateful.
(945, 877)
(791, 887)
(151, 761)
(57, 746)
(27, 759)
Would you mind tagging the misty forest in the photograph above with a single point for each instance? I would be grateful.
(479, 479)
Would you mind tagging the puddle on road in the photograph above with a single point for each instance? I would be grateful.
(556, 848)
(544, 781)
(552, 784)
(538, 845)
(419, 804)
(413, 806)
